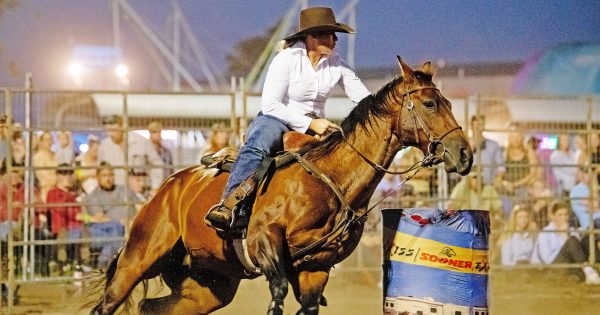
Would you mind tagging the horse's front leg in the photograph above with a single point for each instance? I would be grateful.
(309, 288)
(270, 255)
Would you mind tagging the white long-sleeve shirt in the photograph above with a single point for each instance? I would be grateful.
(294, 88)
(548, 245)
(140, 151)
(518, 248)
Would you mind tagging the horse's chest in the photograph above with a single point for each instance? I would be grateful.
(333, 252)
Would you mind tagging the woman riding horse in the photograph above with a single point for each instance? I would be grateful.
(297, 85)
(294, 211)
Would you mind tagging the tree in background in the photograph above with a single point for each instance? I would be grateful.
(246, 52)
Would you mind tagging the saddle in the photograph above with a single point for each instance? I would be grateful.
(293, 141)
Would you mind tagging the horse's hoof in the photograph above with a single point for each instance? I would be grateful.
(323, 301)
(275, 308)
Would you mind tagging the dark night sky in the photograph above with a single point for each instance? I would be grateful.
(38, 35)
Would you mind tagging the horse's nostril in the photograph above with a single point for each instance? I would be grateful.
(464, 155)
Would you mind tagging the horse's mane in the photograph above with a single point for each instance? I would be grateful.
(374, 105)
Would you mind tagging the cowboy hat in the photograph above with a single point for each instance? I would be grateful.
(319, 19)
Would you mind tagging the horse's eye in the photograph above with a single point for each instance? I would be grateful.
(429, 104)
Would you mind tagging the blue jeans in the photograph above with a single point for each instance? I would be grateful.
(265, 138)
(108, 249)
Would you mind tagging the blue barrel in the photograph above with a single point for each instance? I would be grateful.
(435, 263)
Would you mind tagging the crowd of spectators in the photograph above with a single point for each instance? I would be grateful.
(77, 196)
(542, 201)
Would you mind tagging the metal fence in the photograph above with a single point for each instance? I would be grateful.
(32, 250)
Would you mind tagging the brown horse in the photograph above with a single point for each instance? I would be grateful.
(296, 209)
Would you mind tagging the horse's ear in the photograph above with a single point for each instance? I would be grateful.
(426, 68)
(405, 70)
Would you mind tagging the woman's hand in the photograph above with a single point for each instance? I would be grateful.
(322, 126)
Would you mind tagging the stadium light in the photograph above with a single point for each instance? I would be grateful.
(121, 71)
(75, 69)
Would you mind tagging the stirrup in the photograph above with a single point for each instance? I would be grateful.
(219, 217)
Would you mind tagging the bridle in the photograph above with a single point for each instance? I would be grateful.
(431, 157)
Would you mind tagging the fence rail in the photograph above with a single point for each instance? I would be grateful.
(33, 251)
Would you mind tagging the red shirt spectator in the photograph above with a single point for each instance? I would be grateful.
(17, 199)
(63, 217)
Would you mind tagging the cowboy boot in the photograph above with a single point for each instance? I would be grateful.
(219, 217)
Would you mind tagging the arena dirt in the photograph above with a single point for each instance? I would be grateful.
(547, 292)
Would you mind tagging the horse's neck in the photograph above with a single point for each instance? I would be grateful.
(355, 177)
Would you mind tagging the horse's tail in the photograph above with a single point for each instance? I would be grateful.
(95, 284)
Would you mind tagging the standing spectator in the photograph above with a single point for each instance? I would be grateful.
(519, 238)
(66, 219)
(539, 202)
(18, 145)
(219, 139)
(87, 177)
(64, 154)
(4, 137)
(44, 157)
(563, 165)
(595, 152)
(580, 202)
(492, 159)
(519, 172)
(155, 129)
(106, 212)
(140, 151)
(554, 245)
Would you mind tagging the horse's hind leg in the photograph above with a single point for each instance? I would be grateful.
(147, 243)
(203, 292)
(270, 259)
(309, 288)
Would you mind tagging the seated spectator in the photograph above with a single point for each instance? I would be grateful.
(519, 237)
(87, 177)
(563, 165)
(421, 181)
(539, 202)
(471, 194)
(106, 213)
(137, 185)
(64, 153)
(554, 245)
(580, 202)
(12, 182)
(66, 219)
